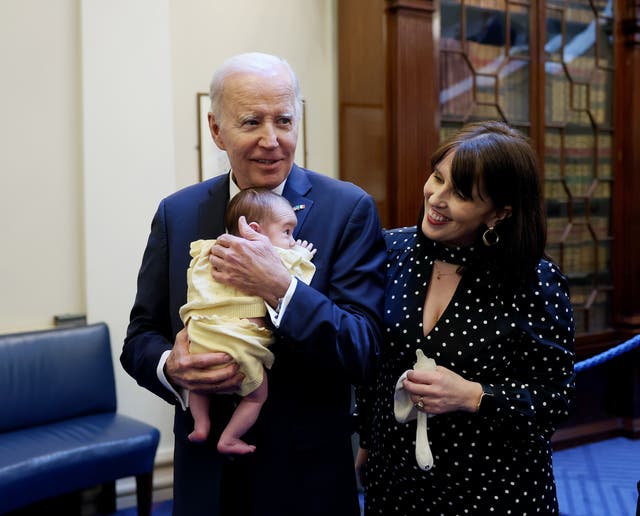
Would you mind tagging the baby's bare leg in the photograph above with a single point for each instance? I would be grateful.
(199, 406)
(241, 420)
(257, 320)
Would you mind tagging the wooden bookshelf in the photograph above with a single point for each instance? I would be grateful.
(567, 74)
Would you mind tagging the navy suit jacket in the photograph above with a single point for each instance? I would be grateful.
(328, 339)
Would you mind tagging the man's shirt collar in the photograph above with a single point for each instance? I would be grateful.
(234, 189)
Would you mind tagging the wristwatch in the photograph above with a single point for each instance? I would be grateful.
(487, 392)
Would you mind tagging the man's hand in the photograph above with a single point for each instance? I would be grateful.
(205, 373)
(249, 263)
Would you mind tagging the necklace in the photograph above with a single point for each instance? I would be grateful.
(439, 273)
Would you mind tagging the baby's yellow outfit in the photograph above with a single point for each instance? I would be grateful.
(216, 315)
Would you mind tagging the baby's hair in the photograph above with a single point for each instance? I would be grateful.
(256, 204)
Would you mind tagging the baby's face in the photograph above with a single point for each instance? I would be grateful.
(280, 228)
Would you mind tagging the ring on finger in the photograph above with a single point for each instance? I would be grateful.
(419, 404)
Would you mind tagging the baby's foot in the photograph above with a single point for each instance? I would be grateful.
(234, 446)
(199, 435)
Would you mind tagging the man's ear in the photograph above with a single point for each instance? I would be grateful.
(214, 129)
(255, 226)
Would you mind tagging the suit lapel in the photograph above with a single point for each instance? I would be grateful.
(211, 212)
(295, 191)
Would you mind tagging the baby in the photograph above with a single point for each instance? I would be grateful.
(221, 318)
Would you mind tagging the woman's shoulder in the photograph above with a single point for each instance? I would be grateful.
(547, 293)
(545, 307)
(548, 281)
(550, 277)
(400, 238)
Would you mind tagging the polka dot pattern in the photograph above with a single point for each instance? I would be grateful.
(496, 461)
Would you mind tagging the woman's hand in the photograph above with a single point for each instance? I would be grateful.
(441, 391)
(361, 465)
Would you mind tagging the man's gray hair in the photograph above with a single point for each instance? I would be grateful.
(252, 62)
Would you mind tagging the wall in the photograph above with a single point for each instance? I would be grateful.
(99, 105)
(205, 32)
(128, 166)
(42, 270)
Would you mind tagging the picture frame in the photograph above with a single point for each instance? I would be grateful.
(213, 161)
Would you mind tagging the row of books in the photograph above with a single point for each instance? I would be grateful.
(592, 319)
(576, 186)
(581, 261)
(578, 231)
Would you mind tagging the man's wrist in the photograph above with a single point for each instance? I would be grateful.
(276, 312)
(279, 295)
(179, 393)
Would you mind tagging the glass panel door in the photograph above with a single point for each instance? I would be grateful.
(578, 70)
(487, 72)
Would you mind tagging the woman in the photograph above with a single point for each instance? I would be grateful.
(470, 286)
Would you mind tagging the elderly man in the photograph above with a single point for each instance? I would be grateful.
(327, 333)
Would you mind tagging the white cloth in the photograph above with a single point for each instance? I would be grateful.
(405, 411)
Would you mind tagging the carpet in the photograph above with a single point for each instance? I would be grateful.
(597, 479)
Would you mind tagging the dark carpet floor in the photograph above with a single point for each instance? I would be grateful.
(597, 479)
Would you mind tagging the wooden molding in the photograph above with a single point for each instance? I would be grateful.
(412, 104)
(586, 433)
(626, 209)
(411, 5)
(630, 21)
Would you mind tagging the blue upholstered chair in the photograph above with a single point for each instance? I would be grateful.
(59, 428)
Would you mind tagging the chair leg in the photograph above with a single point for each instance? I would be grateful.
(106, 499)
(144, 493)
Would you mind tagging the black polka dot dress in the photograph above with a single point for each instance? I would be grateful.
(495, 461)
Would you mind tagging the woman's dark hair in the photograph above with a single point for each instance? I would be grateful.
(503, 165)
(256, 204)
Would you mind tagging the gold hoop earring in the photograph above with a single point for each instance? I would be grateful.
(490, 237)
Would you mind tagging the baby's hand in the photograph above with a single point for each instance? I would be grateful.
(307, 245)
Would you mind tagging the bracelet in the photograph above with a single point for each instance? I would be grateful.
(486, 391)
